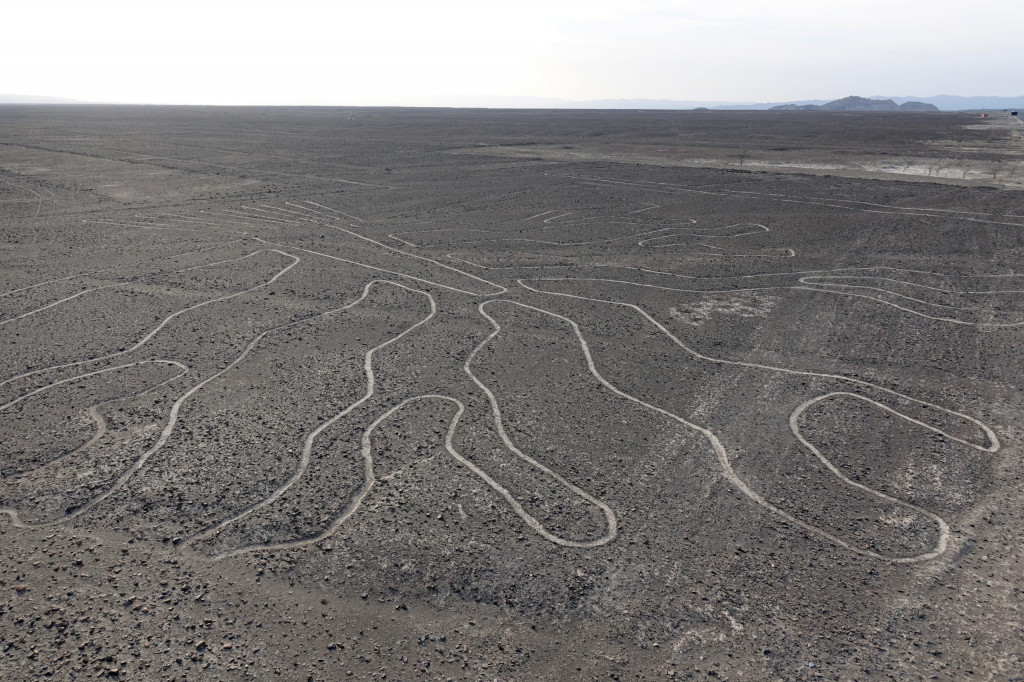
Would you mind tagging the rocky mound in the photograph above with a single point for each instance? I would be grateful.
(854, 103)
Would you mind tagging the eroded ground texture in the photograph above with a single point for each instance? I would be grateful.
(317, 393)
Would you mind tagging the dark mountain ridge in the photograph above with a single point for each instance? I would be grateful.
(854, 103)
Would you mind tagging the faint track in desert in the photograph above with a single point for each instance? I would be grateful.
(307, 447)
(669, 188)
(63, 300)
(609, 515)
(94, 413)
(722, 454)
(804, 285)
(119, 267)
(163, 323)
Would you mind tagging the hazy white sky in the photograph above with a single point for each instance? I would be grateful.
(463, 52)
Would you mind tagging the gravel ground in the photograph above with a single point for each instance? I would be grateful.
(424, 394)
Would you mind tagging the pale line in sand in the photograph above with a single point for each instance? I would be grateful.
(182, 219)
(173, 417)
(242, 214)
(674, 189)
(273, 218)
(820, 288)
(334, 210)
(722, 454)
(370, 479)
(912, 284)
(303, 217)
(537, 216)
(794, 426)
(868, 203)
(789, 253)
(376, 269)
(641, 210)
(371, 388)
(556, 217)
(615, 220)
(145, 339)
(367, 455)
(711, 236)
(668, 188)
(234, 219)
(610, 518)
(119, 267)
(165, 435)
(782, 273)
(812, 286)
(53, 212)
(541, 241)
(398, 239)
(141, 226)
(39, 205)
(441, 229)
(63, 300)
(989, 434)
(101, 424)
(410, 255)
(824, 287)
(705, 232)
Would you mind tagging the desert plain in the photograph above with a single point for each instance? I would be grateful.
(367, 393)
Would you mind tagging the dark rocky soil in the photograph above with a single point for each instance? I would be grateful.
(427, 394)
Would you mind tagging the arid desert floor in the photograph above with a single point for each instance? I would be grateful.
(319, 393)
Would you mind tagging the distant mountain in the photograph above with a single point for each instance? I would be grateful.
(854, 103)
(960, 103)
(939, 102)
(917, 106)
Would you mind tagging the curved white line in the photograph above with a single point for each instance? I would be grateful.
(63, 300)
(93, 409)
(722, 454)
(307, 447)
(499, 425)
(145, 339)
(989, 434)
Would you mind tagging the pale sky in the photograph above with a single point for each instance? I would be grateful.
(464, 53)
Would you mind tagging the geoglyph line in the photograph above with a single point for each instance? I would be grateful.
(417, 257)
(371, 388)
(610, 518)
(94, 409)
(993, 446)
(377, 269)
(820, 288)
(723, 457)
(760, 274)
(669, 188)
(119, 267)
(163, 323)
(810, 286)
(708, 235)
(57, 303)
(369, 476)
